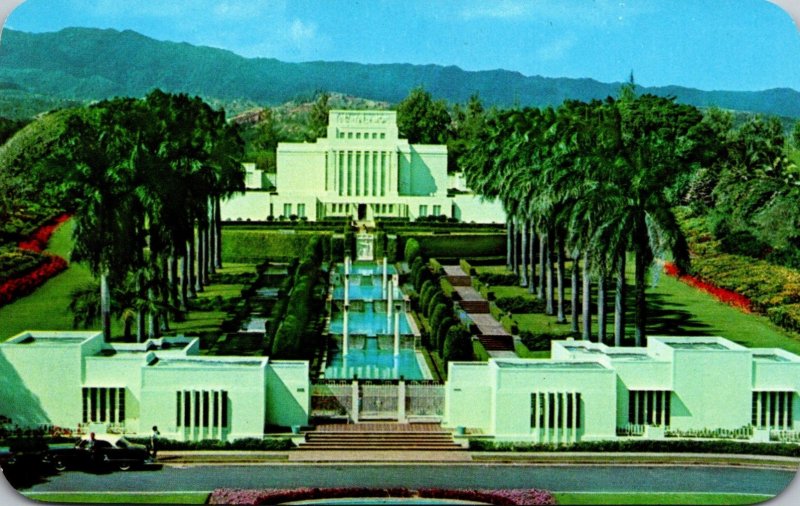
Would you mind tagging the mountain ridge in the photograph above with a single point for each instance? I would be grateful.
(84, 64)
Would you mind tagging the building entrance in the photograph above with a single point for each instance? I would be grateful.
(362, 212)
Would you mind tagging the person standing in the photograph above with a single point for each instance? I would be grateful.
(154, 442)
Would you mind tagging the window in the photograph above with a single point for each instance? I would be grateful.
(773, 410)
(556, 410)
(358, 135)
(201, 408)
(102, 404)
(383, 136)
(374, 135)
(649, 407)
(287, 210)
(423, 210)
(349, 135)
(437, 210)
(301, 210)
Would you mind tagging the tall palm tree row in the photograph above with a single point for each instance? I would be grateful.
(592, 181)
(145, 177)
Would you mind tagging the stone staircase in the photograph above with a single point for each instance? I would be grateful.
(497, 343)
(474, 306)
(379, 437)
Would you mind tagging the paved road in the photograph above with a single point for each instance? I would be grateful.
(555, 478)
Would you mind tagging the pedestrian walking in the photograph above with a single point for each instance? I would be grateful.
(154, 442)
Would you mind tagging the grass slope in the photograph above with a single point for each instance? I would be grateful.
(674, 308)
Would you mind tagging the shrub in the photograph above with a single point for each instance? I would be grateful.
(538, 341)
(412, 251)
(787, 316)
(457, 344)
(502, 279)
(463, 245)
(425, 294)
(441, 332)
(646, 445)
(436, 298)
(520, 304)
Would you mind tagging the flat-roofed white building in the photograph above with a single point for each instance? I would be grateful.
(673, 387)
(74, 379)
(362, 170)
(676, 386)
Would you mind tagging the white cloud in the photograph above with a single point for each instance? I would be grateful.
(505, 9)
(578, 11)
(556, 49)
(302, 33)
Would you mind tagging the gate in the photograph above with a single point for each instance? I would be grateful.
(378, 400)
(424, 399)
(331, 399)
(356, 400)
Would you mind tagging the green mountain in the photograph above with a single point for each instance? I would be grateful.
(80, 64)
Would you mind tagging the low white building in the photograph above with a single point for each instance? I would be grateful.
(74, 379)
(362, 170)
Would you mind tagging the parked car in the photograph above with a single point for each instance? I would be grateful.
(109, 450)
(6, 457)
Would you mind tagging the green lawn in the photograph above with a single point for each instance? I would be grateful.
(674, 308)
(47, 307)
(120, 497)
(699, 498)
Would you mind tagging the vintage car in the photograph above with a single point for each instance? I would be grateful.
(109, 450)
(7, 458)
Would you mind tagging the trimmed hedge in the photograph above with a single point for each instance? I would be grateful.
(251, 444)
(645, 445)
(460, 245)
(520, 304)
(538, 341)
(502, 279)
(252, 246)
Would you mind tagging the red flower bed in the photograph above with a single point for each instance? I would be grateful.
(509, 497)
(38, 240)
(727, 296)
(23, 285)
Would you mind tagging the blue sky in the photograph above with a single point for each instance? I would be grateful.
(707, 44)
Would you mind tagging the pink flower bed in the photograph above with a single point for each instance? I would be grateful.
(38, 241)
(509, 497)
(727, 296)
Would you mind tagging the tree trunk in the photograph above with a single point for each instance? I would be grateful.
(212, 238)
(549, 307)
(587, 299)
(206, 256)
(509, 232)
(174, 286)
(152, 317)
(601, 304)
(192, 257)
(140, 313)
(560, 318)
(105, 305)
(165, 291)
(515, 246)
(573, 306)
(542, 266)
(523, 271)
(532, 260)
(640, 318)
(127, 329)
(184, 282)
(218, 229)
(200, 280)
(619, 302)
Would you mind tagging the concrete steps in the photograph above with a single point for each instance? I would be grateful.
(475, 306)
(497, 343)
(388, 438)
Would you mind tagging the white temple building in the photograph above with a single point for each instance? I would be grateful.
(362, 170)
